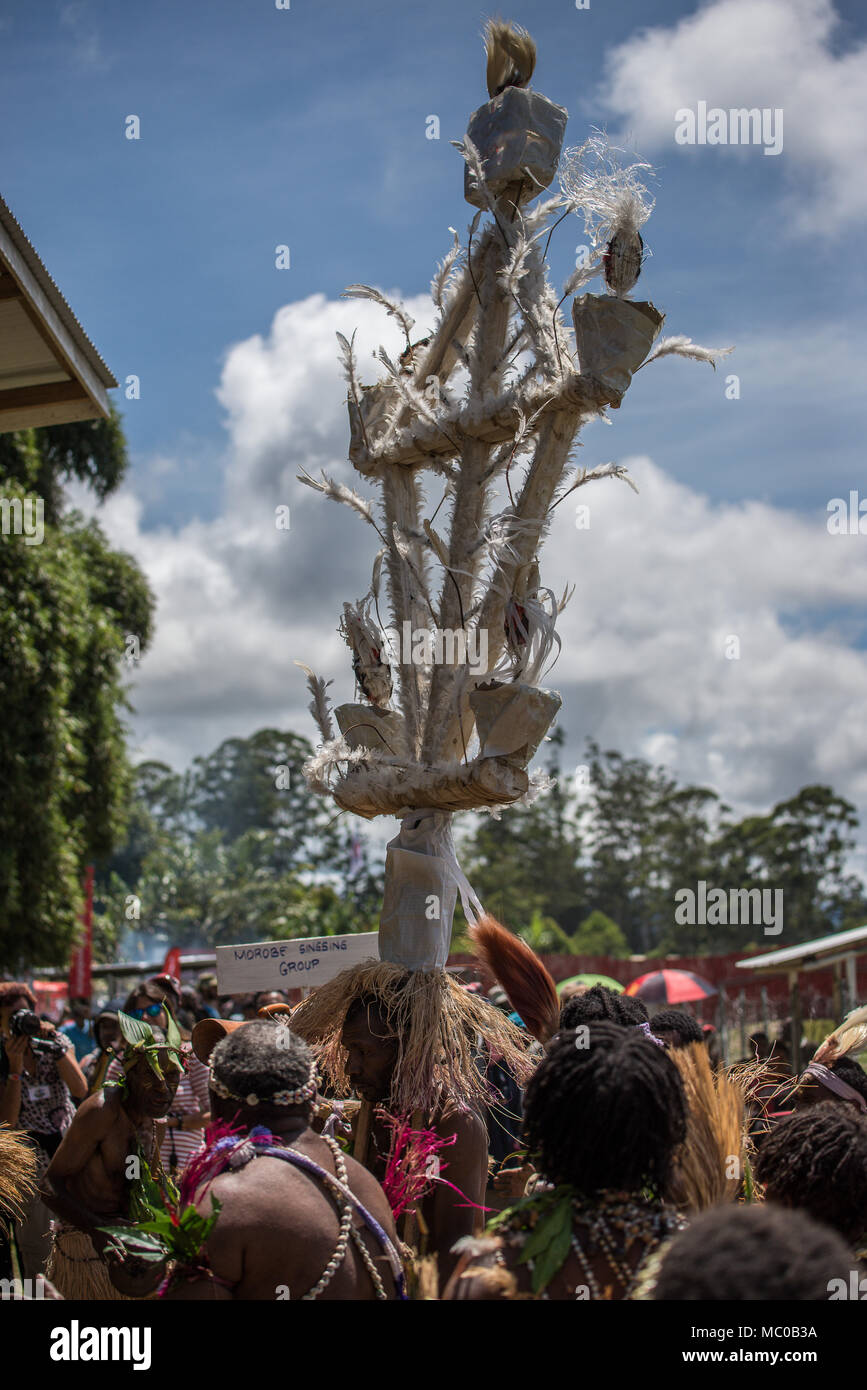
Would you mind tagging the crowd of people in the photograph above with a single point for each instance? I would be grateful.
(627, 1162)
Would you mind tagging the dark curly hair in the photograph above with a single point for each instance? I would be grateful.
(852, 1073)
(606, 1115)
(817, 1160)
(684, 1027)
(158, 990)
(600, 1003)
(752, 1254)
(253, 1059)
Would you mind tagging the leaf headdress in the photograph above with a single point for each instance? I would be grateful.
(140, 1041)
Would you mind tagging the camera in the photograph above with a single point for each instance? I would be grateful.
(24, 1023)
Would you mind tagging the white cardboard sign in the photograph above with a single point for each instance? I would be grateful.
(306, 961)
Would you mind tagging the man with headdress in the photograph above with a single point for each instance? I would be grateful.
(296, 1219)
(89, 1181)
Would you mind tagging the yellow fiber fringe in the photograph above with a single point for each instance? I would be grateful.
(17, 1172)
(438, 1025)
(709, 1165)
(76, 1270)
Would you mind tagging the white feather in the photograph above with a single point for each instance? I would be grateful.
(339, 492)
(681, 346)
(395, 310)
(319, 706)
(849, 1038)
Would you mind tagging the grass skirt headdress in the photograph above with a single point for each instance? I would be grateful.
(438, 1025)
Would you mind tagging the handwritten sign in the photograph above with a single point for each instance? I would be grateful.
(285, 965)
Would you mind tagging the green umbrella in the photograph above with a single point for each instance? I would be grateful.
(591, 980)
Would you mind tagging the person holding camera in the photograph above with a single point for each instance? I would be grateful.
(39, 1077)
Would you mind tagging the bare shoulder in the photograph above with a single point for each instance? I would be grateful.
(98, 1113)
(467, 1125)
(91, 1124)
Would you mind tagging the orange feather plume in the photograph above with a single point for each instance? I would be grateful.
(530, 988)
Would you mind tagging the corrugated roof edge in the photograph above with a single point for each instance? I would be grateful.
(34, 263)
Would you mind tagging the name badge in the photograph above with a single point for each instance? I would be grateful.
(39, 1092)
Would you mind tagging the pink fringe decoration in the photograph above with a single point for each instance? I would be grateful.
(206, 1165)
(408, 1175)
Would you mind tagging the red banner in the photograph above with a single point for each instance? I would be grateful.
(172, 963)
(79, 965)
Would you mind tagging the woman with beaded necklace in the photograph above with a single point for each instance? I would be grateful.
(604, 1115)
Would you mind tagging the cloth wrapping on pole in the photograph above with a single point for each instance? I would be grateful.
(422, 882)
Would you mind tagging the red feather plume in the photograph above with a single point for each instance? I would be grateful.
(529, 986)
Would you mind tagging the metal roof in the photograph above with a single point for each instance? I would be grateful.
(50, 371)
(809, 955)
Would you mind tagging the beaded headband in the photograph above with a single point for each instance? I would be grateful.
(296, 1097)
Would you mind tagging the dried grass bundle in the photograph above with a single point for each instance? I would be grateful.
(437, 1023)
(511, 55)
(17, 1172)
(704, 1171)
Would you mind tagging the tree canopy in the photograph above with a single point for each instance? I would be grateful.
(66, 605)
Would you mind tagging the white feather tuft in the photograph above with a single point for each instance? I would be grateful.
(681, 346)
(319, 706)
(395, 310)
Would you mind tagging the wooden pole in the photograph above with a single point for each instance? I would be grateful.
(362, 1133)
(837, 993)
(795, 1010)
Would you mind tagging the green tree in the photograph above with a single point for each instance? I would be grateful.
(256, 783)
(528, 863)
(800, 847)
(66, 605)
(647, 837)
(599, 936)
(235, 849)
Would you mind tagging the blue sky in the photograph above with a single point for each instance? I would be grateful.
(307, 127)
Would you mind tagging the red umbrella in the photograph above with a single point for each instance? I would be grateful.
(671, 987)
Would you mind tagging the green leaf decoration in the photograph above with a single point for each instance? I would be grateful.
(161, 1230)
(135, 1031)
(137, 1245)
(173, 1033)
(554, 1257)
(749, 1182)
(522, 1212)
(549, 1243)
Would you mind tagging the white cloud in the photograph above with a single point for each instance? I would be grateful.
(87, 51)
(757, 53)
(662, 580)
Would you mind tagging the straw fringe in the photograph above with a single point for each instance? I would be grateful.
(77, 1271)
(437, 1023)
(18, 1164)
(715, 1134)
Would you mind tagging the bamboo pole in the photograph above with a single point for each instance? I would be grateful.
(468, 513)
